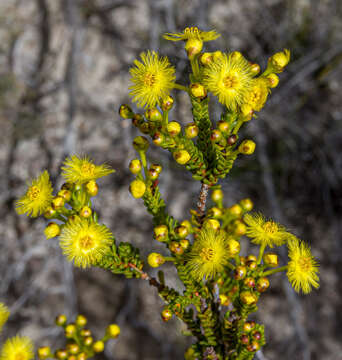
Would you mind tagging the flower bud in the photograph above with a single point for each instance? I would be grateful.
(98, 346)
(92, 188)
(137, 120)
(85, 212)
(253, 346)
(61, 320)
(167, 103)
(191, 131)
(247, 147)
(166, 315)
(212, 223)
(57, 202)
(251, 258)
(154, 115)
(140, 143)
(240, 272)
(273, 80)
(232, 139)
(88, 341)
(252, 265)
(217, 195)
(224, 300)
(270, 259)
(44, 352)
(249, 282)
(82, 356)
(198, 91)
(155, 259)
(73, 348)
(217, 55)
(61, 354)
(85, 333)
(239, 228)
(223, 126)
(161, 232)
(125, 111)
(113, 331)
(137, 188)
(181, 156)
(145, 128)
(193, 46)
(215, 212)
(81, 321)
(256, 335)
(184, 243)
(70, 330)
(216, 136)
(174, 128)
(235, 210)
(246, 112)
(135, 166)
(248, 298)
(65, 194)
(246, 204)
(279, 60)
(236, 55)
(248, 326)
(153, 174)
(158, 138)
(156, 167)
(52, 230)
(244, 339)
(233, 247)
(181, 231)
(262, 284)
(50, 213)
(176, 248)
(187, 224)
(255, 68)
(206, 58)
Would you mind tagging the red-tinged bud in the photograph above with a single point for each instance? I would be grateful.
(166, 315)
(252, 265)
(240, 272)
(248, 326)
(154, 115)
(249, 282)
(158, 138)
(256, 335)
(135, 166)
(176, 248)
(216, 136)
(232, 139)
(223, 126)
(263, 284)
(125, 111)
(167, 103)
(244, 339)
(174, 128)
(137, 120)
(191, 131)
(253, 346)
(153, 174)
(181, 231)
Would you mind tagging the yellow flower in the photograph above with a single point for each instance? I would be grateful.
(264, 232)
(230, 79)
(4, 314)
(208, 255)
(152, 79)
(80, 170)
(192, 33)
(17, 348)
(84, 242)
(258, 95)
(37, 198)
(302, 267)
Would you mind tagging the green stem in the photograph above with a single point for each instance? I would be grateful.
(237, 259)
(180, 87)
(195, 67)
(142, 155)
(165, 118)
(274, 271)
(170, 259)
(231, 266)
(261, 253)
(237, 126)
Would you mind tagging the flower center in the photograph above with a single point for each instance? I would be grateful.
(33, 193)
(230, 81)
(256, 96)
(19, 356)
(87, 169)
(86, 242)
(270, 227)
(191, 30)
(304, 264)
(149, 79)
(207, 254)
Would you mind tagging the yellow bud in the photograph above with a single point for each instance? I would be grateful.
(273, 80)
(247, 147)
(246, 204)
(279, 60)
(217, 195)
(224, 299)
(193, 47)
(135, 166)
(92, 188)
(255, 68)
(50, 213)
(246, 112)
(52, 230)
(239, 228)
(153, 114)
(167, 103)
(223, 126)
(262, 284)
(215, 212)
(88, 341)
(58, 202)
(251, 258)
(248, 298)
(270, 259)
(181, 156)
(217, 55)
(174, 128)
(70, 330)
(191, 131)
(140, 143)
(85, 333)
(198, 91)
(73, 348)
(187, 224)
(137, 188)
(65, 194)
(212, 223)
(98, 346)
(85, 212)
(181, 231)
(113, 331)
(44, 352)
(235, 210)
(61, 354)
(206, 58)
(161, 232)
(125, 111)
(155, 259)
(61, 320)
(233, 247)
(236, 55)
(184, 243)
(82, 356)
(81, 321)
(176, 248)
(166, 315)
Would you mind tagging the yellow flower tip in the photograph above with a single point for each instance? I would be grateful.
(137, 188)
(84, 242)
(192, 33)
(37, 198)
(80, 170)
(152, 79)
(52, 230)
(257, 97)
(264, 232)
(233, 247)
(302, 269)
(208, 255)
(17, 348)
(4, 314)
(279, 60)
(230, 78)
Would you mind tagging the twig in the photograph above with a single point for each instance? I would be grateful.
(202, 199)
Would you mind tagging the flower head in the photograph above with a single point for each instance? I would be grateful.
(192, 33)
(4, 314)
(264, 232)
(85, 242)
(230, 79)
(302, 267)
(80, 170)
(209, 254)
(258, 95)
(17, 348)
(152, 79)
(37, 198)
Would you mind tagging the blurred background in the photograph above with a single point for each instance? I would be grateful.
(63, 74)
